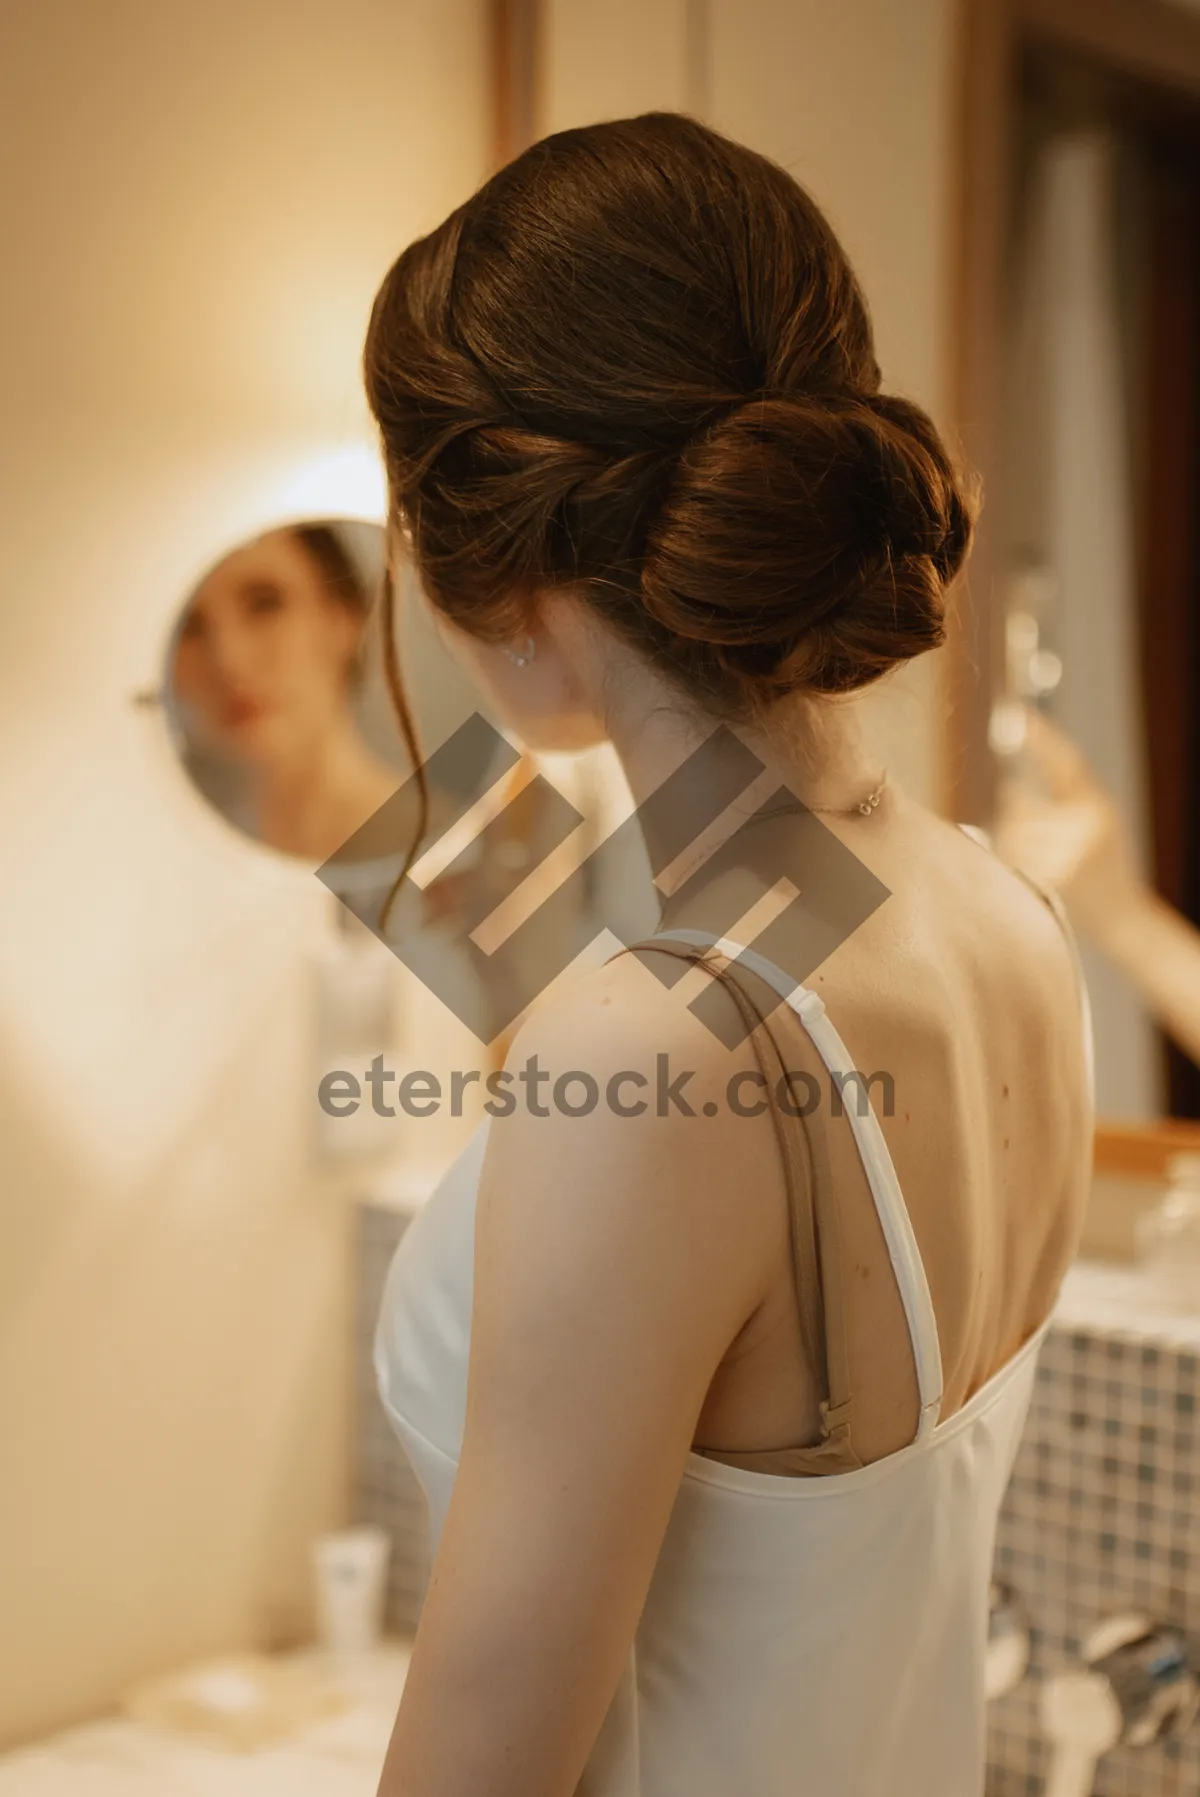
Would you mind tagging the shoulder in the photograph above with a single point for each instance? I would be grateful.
(1020, 915)
(1026, 969)
(634, 1006)
(994, 962)
(617, 1129)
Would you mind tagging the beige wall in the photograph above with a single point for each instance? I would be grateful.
(197, 204)
(611, 61)
(855, 99)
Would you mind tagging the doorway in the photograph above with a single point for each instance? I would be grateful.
(1078, 386)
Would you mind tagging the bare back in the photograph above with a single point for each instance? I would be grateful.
(962, 993)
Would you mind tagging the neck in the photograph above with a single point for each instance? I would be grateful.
(311, 801)
(813, 747)
(811, 750)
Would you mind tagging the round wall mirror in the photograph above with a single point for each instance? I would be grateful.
(276, 694)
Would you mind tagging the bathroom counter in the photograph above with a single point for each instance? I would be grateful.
(116, 1757)
(1118, 1300)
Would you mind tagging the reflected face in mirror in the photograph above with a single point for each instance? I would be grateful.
(266, 649)
(268, 692)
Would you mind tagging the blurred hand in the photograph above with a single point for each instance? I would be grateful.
(1058, 824)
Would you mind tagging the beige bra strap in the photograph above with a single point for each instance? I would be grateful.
(836, 1410)
(817, 1249)
(814, 1235)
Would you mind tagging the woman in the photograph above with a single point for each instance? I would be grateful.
(1062, 828)
(714, 1393)
(265, 664)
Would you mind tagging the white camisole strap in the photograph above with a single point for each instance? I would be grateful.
(876, 1158)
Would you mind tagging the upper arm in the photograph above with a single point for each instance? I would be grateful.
(616, 1257)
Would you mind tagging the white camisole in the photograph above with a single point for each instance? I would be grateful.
(800, 1635)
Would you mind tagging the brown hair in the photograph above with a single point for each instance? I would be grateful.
(339, 573)
(340, 576)
(638, 362)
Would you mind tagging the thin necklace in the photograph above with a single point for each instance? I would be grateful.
(863, 808)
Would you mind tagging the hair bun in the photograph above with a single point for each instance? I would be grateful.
(637, 363)
(925, 509)
(807, 539)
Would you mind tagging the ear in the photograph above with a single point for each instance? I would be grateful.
(567, 628)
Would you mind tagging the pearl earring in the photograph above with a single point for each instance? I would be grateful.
(522, 657)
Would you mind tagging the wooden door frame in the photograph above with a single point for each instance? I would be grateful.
(514, 65)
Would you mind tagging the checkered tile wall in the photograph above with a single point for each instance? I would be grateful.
(1102, 1517)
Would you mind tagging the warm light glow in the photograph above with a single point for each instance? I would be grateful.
(347, 482)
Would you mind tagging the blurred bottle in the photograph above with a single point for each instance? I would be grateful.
(1168, 1237)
